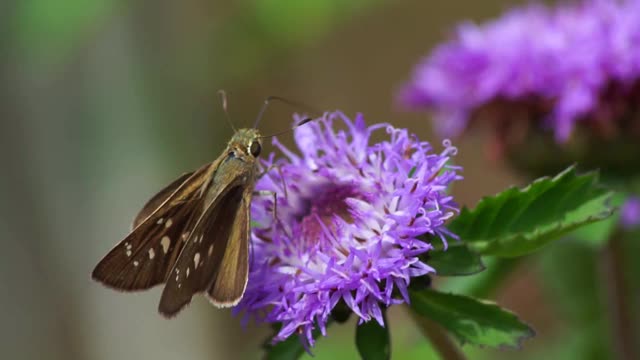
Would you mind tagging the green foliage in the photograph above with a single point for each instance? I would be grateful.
(456, 260)
(520, 221)
(51, 28)
(408, 341)
(290, 349)
(470, 320)
(373, 341)
(573, 282)
(631, 268)
(597, 234)
(292, 21)
(485, 283)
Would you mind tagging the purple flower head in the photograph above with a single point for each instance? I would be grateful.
(346, 226)
(575, 64)
(630, 213)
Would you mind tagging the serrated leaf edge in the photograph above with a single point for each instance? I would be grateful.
(571, 170)
(530, 332)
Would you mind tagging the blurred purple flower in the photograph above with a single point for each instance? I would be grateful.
(572, 64)
(630, 214)
(349, 214)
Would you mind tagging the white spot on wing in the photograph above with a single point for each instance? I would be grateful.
(210, 250)
(165, 242)
(196, 260)
(160, 221)
(128, 252)
(187, 272)
(168, 223)
(135, 263)
(152, 254)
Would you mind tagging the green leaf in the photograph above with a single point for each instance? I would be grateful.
(455, 261)
(598, 234)
(520, 221)
(373, 341)
(470, 320)
(484, 284)
(290, 349)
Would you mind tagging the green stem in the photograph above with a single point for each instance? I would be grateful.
(618, 294)
(439, 339)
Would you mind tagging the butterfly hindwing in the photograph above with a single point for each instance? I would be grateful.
(218, 245)
(230, 281)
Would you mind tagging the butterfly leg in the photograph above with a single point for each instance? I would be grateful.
(266, 171)
(273, 194)
(274, 209)
(284, 183)
(279, 169)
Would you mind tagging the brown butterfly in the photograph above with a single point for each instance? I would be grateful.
(193, 235)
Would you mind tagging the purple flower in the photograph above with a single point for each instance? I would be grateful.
(349, 214)
(575, 64)
(630, 214)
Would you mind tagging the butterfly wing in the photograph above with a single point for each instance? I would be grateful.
(146, 256)
(216, 257)
(158, 199)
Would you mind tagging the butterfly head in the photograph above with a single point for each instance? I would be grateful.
(246, 143)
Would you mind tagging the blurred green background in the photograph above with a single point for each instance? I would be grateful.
(104, 102)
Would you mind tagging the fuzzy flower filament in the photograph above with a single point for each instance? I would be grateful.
(347, 220)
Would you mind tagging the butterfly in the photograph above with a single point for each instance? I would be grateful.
(193, 235)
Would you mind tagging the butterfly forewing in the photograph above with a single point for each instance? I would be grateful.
(158, 199)
(145, 257)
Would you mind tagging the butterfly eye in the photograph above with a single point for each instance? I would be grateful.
(255, 148)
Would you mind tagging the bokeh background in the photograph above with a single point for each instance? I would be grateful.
(104, 102)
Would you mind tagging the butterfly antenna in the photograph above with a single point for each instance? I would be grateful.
(223, 95)
(297, 104)
(304, 121)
